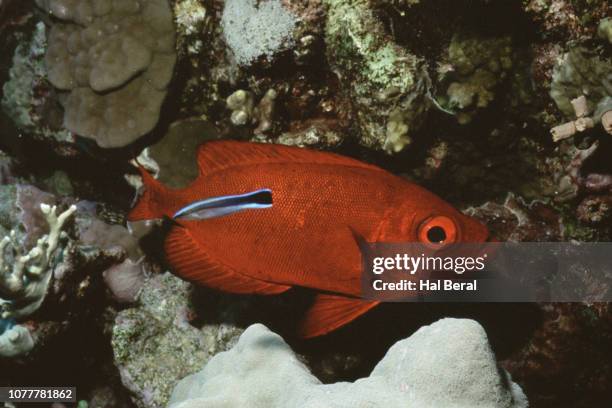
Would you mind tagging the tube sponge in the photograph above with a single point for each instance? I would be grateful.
(115, 58)
(582, 72)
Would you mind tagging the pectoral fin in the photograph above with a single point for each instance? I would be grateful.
(330, 312)
(224, 205)
(191, 262)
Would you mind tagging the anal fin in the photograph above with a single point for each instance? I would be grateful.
(192, 263)
(330, 312)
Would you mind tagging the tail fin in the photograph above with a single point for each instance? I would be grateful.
(150, 204)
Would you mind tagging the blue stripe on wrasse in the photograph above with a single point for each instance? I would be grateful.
(224, 205)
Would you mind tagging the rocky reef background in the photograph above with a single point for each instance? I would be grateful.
(458, 95)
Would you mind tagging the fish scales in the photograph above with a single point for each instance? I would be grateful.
(322, 204)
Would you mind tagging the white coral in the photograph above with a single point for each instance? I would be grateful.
(253, 29)
(24, 277)
(447, 364)
(15, 342)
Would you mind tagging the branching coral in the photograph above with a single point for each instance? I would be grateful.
(241, 105)
(24, 277)
(116, 59)
(245, 112)
(473, 70)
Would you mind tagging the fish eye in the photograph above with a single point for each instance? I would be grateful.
(438, 230)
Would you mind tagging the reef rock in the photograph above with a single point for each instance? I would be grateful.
(565, 362)
(472, 71)
(28, 99)
(565, 19)
(449, 363)
(155, 345)
(387, 85)
(518, 221)
(582, 72)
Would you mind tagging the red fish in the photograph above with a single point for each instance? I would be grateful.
(272, 217)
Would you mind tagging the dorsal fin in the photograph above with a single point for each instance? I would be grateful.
(151, 204)
(191, 262)
(219, 155)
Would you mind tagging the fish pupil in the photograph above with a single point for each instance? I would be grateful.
(262, 197)
(436, 234)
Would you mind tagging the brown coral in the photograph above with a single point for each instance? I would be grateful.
(116, 59)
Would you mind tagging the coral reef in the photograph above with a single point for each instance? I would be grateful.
(386, 84)
(456, 95)
(126, 279)
(570, 179)
(257, 29)
(566, 19)
(582, 72)
(245, 112)
(317, 134)
(605, 29)
(107, 237)
(595, 209)
(203, 59)
(190, 17)
(115, 60)
(424, 370)
(517, 221)
(471, 73)
(48, 272)
(15, 341)
(559, 357)
(241, 105)
(28, 98)
(155, 345)
(24, 277)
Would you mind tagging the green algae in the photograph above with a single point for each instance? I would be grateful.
(387, 85)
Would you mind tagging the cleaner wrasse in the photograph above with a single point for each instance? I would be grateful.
(262, 218)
